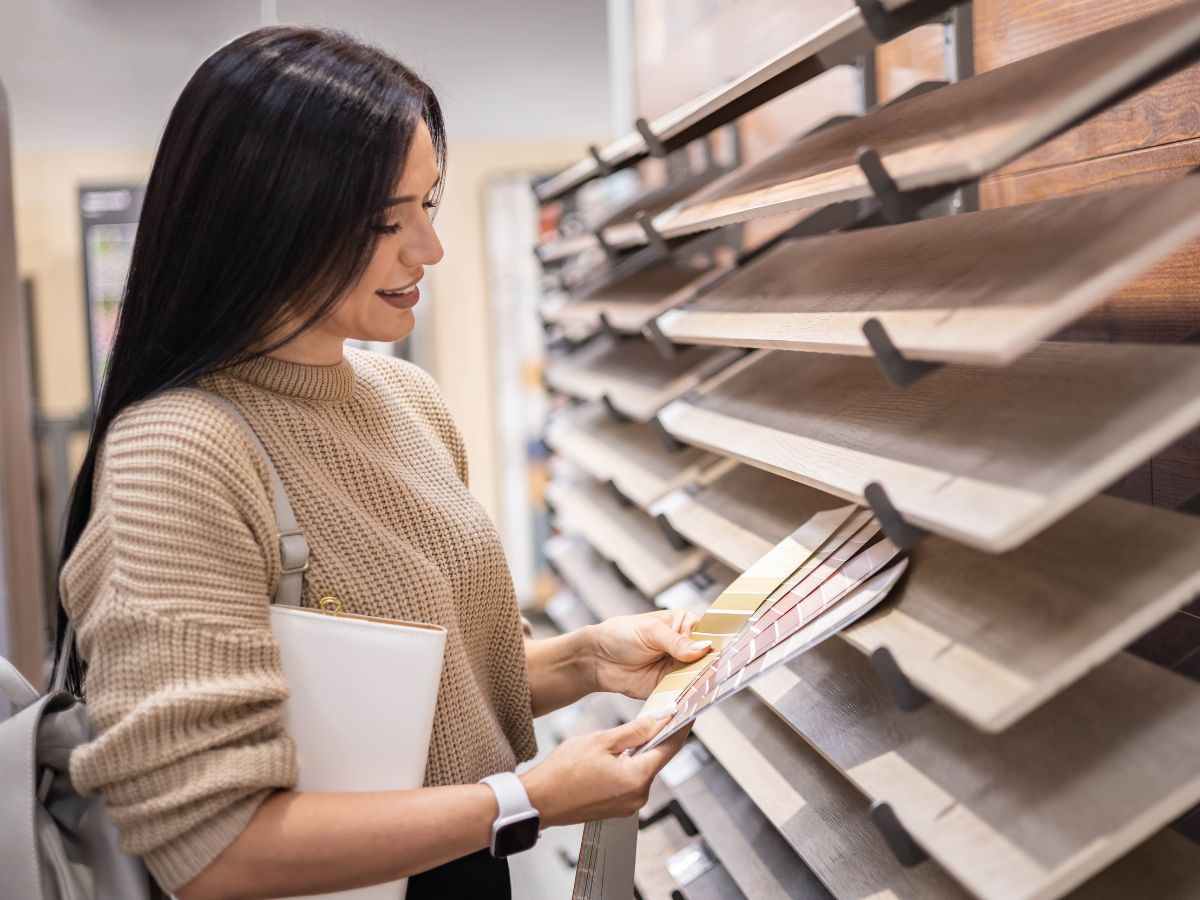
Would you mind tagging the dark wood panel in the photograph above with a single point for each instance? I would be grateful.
(1010, 30)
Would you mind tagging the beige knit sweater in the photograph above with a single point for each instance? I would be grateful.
(169, 589)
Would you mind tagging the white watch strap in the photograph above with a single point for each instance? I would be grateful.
(510, 794)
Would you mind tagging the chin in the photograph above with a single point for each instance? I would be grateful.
(397, 328)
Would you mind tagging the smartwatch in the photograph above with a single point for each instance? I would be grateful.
(516, 827)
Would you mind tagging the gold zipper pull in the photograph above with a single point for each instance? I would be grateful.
(331, 605)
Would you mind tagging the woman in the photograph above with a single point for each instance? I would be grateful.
(289, 209)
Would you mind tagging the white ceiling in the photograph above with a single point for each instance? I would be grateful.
(104, 73)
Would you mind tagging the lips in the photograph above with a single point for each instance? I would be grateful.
(400, 298)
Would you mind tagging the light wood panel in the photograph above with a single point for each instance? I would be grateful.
(743, 512)
(743, 839)
(633, 301)
(593, 580)
(990, 637)
(987, 457)
(1027, 814)
(632, 373)
(623, 534)
(955, 134)
(837, 42)
(820, 814)
(630, 455)
(656, 844)
(979, 288)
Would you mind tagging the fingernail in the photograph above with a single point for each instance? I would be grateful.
(697, 646)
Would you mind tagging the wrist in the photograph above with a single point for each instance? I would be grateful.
(587, 658)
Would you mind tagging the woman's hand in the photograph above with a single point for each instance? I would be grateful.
(631, 654)
(589, 778)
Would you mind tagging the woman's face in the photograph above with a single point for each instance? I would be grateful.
(379, 307)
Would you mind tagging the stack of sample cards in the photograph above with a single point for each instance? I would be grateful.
(825, 575)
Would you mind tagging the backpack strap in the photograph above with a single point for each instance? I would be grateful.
(293, 548)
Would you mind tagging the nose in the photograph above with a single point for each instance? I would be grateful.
(423, 248)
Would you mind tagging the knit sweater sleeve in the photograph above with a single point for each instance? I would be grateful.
(169, 589)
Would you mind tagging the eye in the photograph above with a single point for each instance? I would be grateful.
(386, 229)
(430, 209)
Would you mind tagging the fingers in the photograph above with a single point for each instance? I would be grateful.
(679, 645)
(633, 734)
(657, 757)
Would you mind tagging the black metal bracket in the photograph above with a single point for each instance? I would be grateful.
(661, 342)
(897, 368)
(908, 852)
(611, 252)
(601, 163)
(616, 492)
(896, 205)
(673, 444)
(702, 580)
(653, 144)
(674, 538)
(899, 530)
(907, 695)
(885, 24)
(621, 576)
(606, 327)
(616, 414)
(654, 237)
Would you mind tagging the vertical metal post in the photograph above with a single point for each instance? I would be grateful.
(22, 630)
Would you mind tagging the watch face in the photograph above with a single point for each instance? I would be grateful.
(517, 836)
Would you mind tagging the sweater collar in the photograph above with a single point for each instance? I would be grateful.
(305, 382)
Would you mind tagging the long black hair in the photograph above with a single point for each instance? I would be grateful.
(274, 167)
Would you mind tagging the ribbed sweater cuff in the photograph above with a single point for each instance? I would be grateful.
(175, 864)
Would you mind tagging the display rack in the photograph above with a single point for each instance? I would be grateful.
(987, 457)
(626, 536)
(953, 135)
(630, 456)
(1000, 812)
(983, 733)
(840, 42)
(1040, 616)
(979, 289)
(630, 377)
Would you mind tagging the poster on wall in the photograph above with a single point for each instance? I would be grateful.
(108, 218)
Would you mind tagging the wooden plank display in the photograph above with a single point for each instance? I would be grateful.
(958, 133)
(632, 456)
(990, 637)
(637, 380)
(980, 288)
(839, 42)
(987, 457)
(1023, 815)
(631, 302)
(824, 818)
(656, 844)
(620, 228)
(593, 579)
(816, 810)
(743, 839)
(623, 534)
(739, 512)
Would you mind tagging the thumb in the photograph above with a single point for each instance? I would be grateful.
(634, 734)
(682, 647)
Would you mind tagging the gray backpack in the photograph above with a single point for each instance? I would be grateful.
(57, 845)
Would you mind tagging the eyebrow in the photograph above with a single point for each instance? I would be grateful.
(410, 198)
